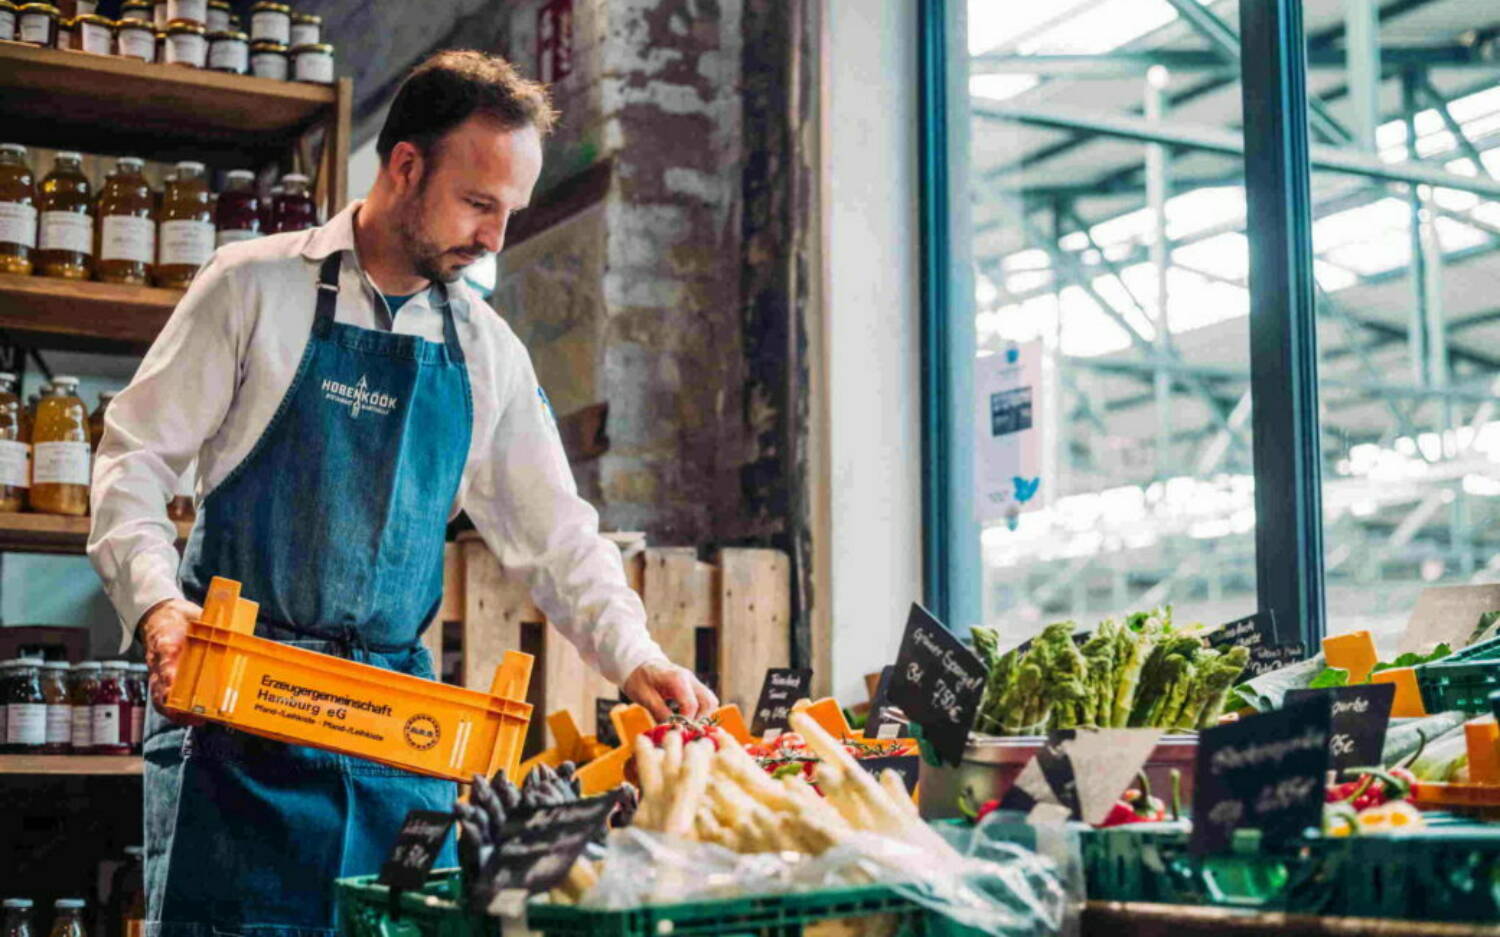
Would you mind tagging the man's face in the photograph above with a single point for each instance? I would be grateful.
(454, 205)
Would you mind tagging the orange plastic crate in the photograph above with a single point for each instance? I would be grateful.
(1474, 800)
(228, 675)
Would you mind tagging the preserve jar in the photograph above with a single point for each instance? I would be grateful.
(138, 11)
(237, 214)
(65, 235)
(138, 688)
(307, 29)
(135, 39)
(17, 210)
(67, 918)
(37, 24)
(185, 237)
(93, 33)
(7, 20)
(229, 51)
(219, 16)
(313, 63)
(126, 245)
(60, 452)
(110, 711)
(96, 419)
(83, 679)
(25, 708)
(293, 209)
(187, 44)
(272, 21)
(15, 453)
(59, 709)
(188, 11)
(268, 60)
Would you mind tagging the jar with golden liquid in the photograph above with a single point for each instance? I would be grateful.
(185, 236)
(65, 238)
(60, 452)
(126, 241)
(15, 454)
(96, 419)
(17, 210)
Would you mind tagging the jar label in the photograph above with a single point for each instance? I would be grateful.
(26, 724)
(67, 231)
(194, 11)
(83, 726)
(61, 463)
(304, 34)
(37, 28)
(138, 44)
(187, 243)
(234, 237)
(315, 67)
(269, 65)
(186, 49)
(59, 723)
(96, 38)
(18, 224)
(229, 55)
(15, 463)
(106, 724)
(271, 25)
(7, 24)
(128, 237)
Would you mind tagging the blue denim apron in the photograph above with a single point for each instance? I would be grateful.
(334, 523)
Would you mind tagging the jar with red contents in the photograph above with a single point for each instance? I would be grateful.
(83, 681)
(237, 216)
(110, 711)
(138, 690)
(293, 209)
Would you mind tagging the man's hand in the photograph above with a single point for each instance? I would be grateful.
(164, 631)
(655, 682)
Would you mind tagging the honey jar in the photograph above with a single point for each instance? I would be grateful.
(188, 11)
(66, 232)
(269, 60)
(60, 452)
(17, 210)
(187, 44)
(37, 24)
(218, 16)
(15, 454)
(126, 244)
(93, 33)
(138, 11)
(307, 29)
(7, 20)
(313, 63)
(229, 51)
(185, 236)
(135, 39)
(271, 21)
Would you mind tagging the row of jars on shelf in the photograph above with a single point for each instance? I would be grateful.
(87, 708)
(129, 233)
(67, 913)
(47, 447)
(196, 33)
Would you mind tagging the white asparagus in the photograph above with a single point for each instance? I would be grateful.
(648, 768)
(683, 807)
(885, 815)
(890, 779)
(671, 766)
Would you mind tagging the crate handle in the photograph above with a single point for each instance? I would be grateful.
(512, 677)
(1252, 873)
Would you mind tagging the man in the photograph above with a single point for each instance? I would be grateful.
(345, 394)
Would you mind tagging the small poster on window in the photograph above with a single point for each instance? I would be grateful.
(1008, 445)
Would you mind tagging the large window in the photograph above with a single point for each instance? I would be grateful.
(1102, 206)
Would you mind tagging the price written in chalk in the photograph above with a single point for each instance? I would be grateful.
(1360, 716)
(782, 687)
(422, 836)
(937, 683)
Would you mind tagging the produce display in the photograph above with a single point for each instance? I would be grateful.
(789, 754)
(1143, 672)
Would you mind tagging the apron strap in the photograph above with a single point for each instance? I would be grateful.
(328, 293)
(450, 330)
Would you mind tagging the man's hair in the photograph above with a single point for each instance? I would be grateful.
(450, 87)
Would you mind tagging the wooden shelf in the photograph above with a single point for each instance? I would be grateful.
(78, 315)
(105, 765)
(111, 104)
(53, 533)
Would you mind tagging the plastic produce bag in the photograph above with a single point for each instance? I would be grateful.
(992, 886)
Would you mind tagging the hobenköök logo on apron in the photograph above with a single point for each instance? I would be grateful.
(358, 397)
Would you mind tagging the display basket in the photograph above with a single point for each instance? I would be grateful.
(1462, 681)
(295, 695)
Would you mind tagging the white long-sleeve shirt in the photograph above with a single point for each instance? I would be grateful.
(216, 374)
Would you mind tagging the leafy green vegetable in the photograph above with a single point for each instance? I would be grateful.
(1412, 659)
(1329, 677)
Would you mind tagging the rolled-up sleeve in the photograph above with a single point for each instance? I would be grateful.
(525, 504)
(152, 432)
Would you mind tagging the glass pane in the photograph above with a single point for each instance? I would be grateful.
(1126, 261)
(1409, 320)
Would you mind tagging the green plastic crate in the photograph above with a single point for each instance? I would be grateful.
(1450, 872)
(1462, 681)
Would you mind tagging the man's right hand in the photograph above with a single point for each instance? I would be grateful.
(164, 631)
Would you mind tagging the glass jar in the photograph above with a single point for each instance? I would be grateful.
(67, 919)
(96, 419)
(83, 680)
(229, 51)
(126, 243)
(127, 895)
(15, 452)
(60, 452)
(93, 33)
(37, 24)
(110, 711)
(17, 210)
(18, 917)
(237, 214)
(59, 708)
(138, 688)
(268, 60)
(188, 11)
(293, 209)
(186, 233)
(25, 708)
(219, 16)
(271, 21)
(140, 11)
(313, 63)
(307, 30)
(187, 44)
(66, 230)
(135, 39)
(7, 20)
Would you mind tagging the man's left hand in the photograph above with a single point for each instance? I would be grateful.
(653, 683)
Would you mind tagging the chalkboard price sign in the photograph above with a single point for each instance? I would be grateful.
(538, 847)
(1265, 772)
(422, 836)
(1361, 714)
(782, 687)
(604, 727)
(1251, 631)
(1265, 658)
(937, 683)
(908, 766)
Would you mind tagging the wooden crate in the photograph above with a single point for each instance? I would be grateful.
(728, 620)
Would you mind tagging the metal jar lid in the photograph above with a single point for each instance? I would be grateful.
(186, 26)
